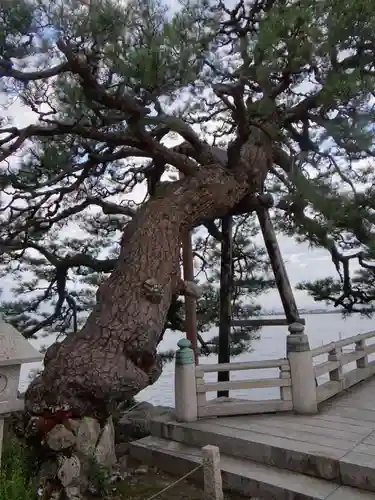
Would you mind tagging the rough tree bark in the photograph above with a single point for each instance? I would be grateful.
(114, 356)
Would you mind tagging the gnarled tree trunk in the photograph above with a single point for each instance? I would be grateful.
(114, 356)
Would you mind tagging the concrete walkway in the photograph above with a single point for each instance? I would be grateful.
(280, 456)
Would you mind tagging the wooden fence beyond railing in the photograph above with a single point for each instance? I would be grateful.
(339, 380)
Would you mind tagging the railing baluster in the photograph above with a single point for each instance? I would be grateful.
(285, 391)
(336, 375)
(361, 346)
(201, 396)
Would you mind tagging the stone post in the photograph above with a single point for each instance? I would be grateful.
(301, 370)
(185, 386)
(213, 486)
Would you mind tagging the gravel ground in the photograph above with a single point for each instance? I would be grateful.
(145, 486)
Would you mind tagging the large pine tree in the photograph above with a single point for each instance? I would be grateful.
(268, 95)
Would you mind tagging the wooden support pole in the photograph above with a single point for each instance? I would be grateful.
(213, 486)
(278, 266)
(190, 302)
(226, 281)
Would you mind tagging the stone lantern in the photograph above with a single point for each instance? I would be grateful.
(14, 351)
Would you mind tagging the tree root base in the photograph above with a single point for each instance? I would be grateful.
(78, 457)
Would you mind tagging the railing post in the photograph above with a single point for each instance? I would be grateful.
(301, 370)
(185, 385)
(361, 346)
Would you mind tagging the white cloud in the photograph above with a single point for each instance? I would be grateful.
(21, 115)
(303, 264)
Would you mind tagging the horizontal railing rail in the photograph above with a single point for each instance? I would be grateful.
(223, 406)
(242, 384)
(241, 365)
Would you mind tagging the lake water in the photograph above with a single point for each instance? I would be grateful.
(321, 329)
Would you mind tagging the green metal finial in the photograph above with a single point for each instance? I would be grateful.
(185, 353)
(184, 343)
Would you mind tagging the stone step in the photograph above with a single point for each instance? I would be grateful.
(250, 479)
(307, 457)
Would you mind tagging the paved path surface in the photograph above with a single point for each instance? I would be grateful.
(281, 456)
(344, 427)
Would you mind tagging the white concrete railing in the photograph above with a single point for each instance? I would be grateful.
(337, 359)
(298, 379)
(226, 406)
(191, 388)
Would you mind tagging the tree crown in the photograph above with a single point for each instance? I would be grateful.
(113, 90)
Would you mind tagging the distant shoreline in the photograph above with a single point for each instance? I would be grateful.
(305, 311)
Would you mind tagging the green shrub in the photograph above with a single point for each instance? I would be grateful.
(99, 477)
(15, 482)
